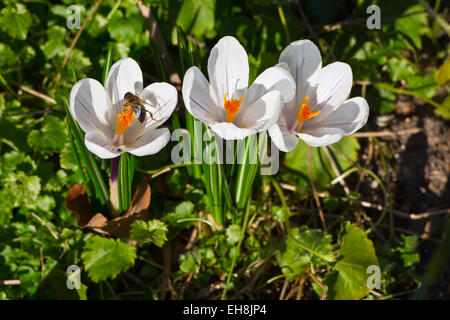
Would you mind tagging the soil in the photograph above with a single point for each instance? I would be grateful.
(419, 170)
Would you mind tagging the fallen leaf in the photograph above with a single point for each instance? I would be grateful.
(77, 202)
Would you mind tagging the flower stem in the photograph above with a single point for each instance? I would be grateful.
(113, 187)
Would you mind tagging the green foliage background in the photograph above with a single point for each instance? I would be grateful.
(39, 237)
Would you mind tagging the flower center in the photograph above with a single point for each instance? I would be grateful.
(304, 112)
(231, 107)
(124, 120)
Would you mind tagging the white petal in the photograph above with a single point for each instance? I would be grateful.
(227, 68)
(282, 137)
(321, 137)
(229, 131)
(332, 85)
(88, 104)
(100, 145)
(262, 113)
(150, 142)
(274, 78)
(124, 76)
(348, 117)
(304, 60)
(163, 97)
(197, 97)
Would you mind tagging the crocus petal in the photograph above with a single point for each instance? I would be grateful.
(274, 78)
(229, 131)
(100, 145)
(304, 60)
(197, 97)
(332, 85)
(284, 139)
(262, 113)
(124, 76)
(227, 68)
(163, 97)
(321, 137)
(348, 117)
(150, 142)
(88, 104)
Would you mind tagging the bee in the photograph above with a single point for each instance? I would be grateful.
(137, 105)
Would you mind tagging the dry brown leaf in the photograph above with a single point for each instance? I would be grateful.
(77, 202)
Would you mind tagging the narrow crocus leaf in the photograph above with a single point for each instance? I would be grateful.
(214, 178)
(246, 171)
(107, 65)
(88, 159)
(74, 73)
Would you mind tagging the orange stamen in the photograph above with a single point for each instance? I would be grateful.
(124, 121)
(304, 112)
(231, 107)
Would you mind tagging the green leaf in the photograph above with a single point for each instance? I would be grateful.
(301, 248)
(15, 20)
(55, 43)
(7, 58)
(322, 172)
(153, 231)
(444, 110)
(56, 182)
(105, 258)
(414, 26)
(67, 159)
(196, 17)
(21, 189)
(51, 138)
(184, 210)
(233, 234)
(442, 75)
(408, 250)
(356, 253)
(188, 263)
(12, 160)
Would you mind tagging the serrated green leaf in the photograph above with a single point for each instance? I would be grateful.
(67, 159)
(21, 189)
(153, 231)
(182, 211)
(233, 234)
(11, 160)
(356, 253)
(51, 138)
(408, 250)
(188, 264)
(15, 20)
(301, 248)
(57, 181)
(105, 258)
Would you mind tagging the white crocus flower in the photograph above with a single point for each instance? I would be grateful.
(225, 103)
(111, 126)
(319, 114)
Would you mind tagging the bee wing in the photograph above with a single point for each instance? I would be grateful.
(149, 104)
